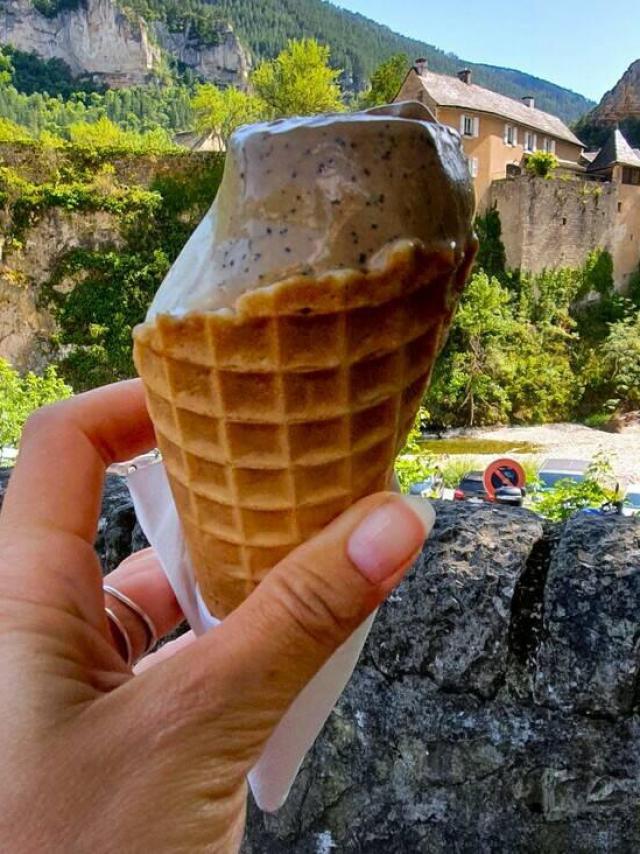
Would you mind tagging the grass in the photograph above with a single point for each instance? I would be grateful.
(463, 445)
(598, 420)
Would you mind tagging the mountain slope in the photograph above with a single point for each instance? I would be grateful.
(359, 44)
(621, 106)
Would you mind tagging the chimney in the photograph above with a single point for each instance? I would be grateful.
(530, 101)
(420, 65)
(465, 75)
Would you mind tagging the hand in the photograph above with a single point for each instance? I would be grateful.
(97, 758)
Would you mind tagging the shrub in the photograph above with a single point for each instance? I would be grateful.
(541, 164)
(22, 395)
(566, 497)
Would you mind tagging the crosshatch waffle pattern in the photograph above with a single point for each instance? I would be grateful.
(273, 420)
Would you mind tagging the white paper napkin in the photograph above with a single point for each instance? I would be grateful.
(273, 775)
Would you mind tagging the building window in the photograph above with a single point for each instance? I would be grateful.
(549, 145)
(619, 207)
(510, 135)
(630, 175)
(530, 141)
(473, 166)
(469, 125)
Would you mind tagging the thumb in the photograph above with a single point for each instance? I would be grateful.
(247, 672)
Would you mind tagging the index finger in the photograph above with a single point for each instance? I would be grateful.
(64, 452)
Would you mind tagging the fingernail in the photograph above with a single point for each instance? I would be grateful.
(390, 535)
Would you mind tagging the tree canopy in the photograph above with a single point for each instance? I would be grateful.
(299, 81)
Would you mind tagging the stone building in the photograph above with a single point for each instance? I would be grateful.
(549, 224)
(497, 132)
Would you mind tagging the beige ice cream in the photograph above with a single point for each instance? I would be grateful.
(286, 353)
(322, 193)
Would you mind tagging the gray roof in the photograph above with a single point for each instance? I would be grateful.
(451, 92)
(615, 150)
(590, 155)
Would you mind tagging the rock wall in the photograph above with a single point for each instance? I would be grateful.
(552, 224)
(99, 39)
(26, 326)
(495, 706)
(621, 102)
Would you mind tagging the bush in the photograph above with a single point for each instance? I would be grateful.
(22, 395)
(412, 464)
(567, 497)
(541, 164)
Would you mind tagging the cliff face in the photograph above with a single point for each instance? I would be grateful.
(99, 39)
(227, 62)
(96, 39)
(623, 101)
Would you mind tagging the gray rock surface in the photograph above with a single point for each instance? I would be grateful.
(495, 707)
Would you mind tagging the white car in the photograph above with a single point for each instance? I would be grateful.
(631, 504)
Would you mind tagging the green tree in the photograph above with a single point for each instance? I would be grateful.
(221, 111)
(466, 387)
(299, 81)
(491, 255)
(386, 81)
(22, 395)
(620, 356)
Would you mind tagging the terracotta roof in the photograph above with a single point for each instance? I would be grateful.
(615, 150)
(451, 92)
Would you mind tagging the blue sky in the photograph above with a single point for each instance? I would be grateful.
(584, 45)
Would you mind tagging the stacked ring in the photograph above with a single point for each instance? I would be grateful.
(127, 647)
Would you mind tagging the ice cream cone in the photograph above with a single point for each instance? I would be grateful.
(275, 417)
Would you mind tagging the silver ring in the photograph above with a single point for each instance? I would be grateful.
(152, 634)
(126, 640)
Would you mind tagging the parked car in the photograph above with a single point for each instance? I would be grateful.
(631, 502)
(555, 470)
(471, 488)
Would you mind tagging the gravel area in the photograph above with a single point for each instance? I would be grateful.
(574, 441)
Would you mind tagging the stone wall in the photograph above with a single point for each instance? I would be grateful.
(495, 706)
(556, 223)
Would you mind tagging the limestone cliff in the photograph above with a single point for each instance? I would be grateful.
(623, 101)
(227, 62)
(114, 46)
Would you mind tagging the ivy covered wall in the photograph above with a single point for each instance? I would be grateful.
(87, 237)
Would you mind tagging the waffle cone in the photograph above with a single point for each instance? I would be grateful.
(274, 419)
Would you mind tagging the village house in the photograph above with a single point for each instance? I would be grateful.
(496, 131)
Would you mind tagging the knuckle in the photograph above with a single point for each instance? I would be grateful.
(42, 420)
(317, 610)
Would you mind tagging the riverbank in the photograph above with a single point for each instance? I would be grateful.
(575, 441)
